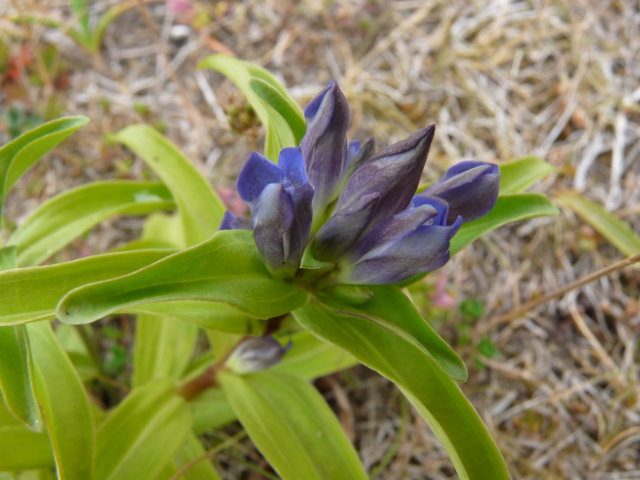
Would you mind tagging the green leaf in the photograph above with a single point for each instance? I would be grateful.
(65, 405)
(278, 132)
(310, 357)
(200, 208)
(19, 155)
(31, 294)
(163, 348)
(211, 410)
(163, 228)
(606, 223)
(212, 316)
(391, 310)
(508, 208)
(438, 398)
(283, 104)
(293, 427)
(8, 258)
(85, 363)
(16, 376)
(70, 214)
(142, 434)
(16, 366)
(226, 268)
(518, 175)
(190, 451)
(80, 10)
(160, 231)
(22, 449)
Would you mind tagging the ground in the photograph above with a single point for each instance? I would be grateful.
(558, 79)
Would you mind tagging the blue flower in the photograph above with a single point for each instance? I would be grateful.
(324, 145)
(469, 188)
(355, 209)
(279, 198)
(408, 243)
(380, 187)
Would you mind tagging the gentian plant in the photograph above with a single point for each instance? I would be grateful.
(309, 283)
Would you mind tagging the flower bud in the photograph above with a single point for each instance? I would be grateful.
(256, 354)
(324, 144)
(379, 188)
(469, 188)
(279, 198)
(411, 242)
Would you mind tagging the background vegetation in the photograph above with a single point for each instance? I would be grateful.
(557, 384)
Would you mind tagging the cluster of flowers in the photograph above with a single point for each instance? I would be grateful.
(354, 209)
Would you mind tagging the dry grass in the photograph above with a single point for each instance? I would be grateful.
(501, 79)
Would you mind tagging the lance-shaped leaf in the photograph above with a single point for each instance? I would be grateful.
(436, 396)
(19, 155)
(308, 358)
(213, 316)
(22, 449)
(279, 133)
(211, 410)
(281, 103)
(16, 376)
(142, 434)
(31, 294)
(200, 207)
(16, 367)
(391, 310)
(192, 462)
(606, 223)
(65, 405)
(508, 208)
(70, 214)
(160, 231)
(226, 268)
(311, 357)
(518, 175)
(292, 426)
(162, 348)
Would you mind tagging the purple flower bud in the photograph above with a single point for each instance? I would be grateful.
(390, 177)
(411, 242)
(343, 229)
(279, 198)
(470, 189)
(324, 144)
(256, 354)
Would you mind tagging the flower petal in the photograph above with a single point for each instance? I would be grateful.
(257, 173)
(394, 172)
(291, 162)
(470, 188)
(273, 217)
(392, 228)
(324, 144)
(344, 228)
(420, 251)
